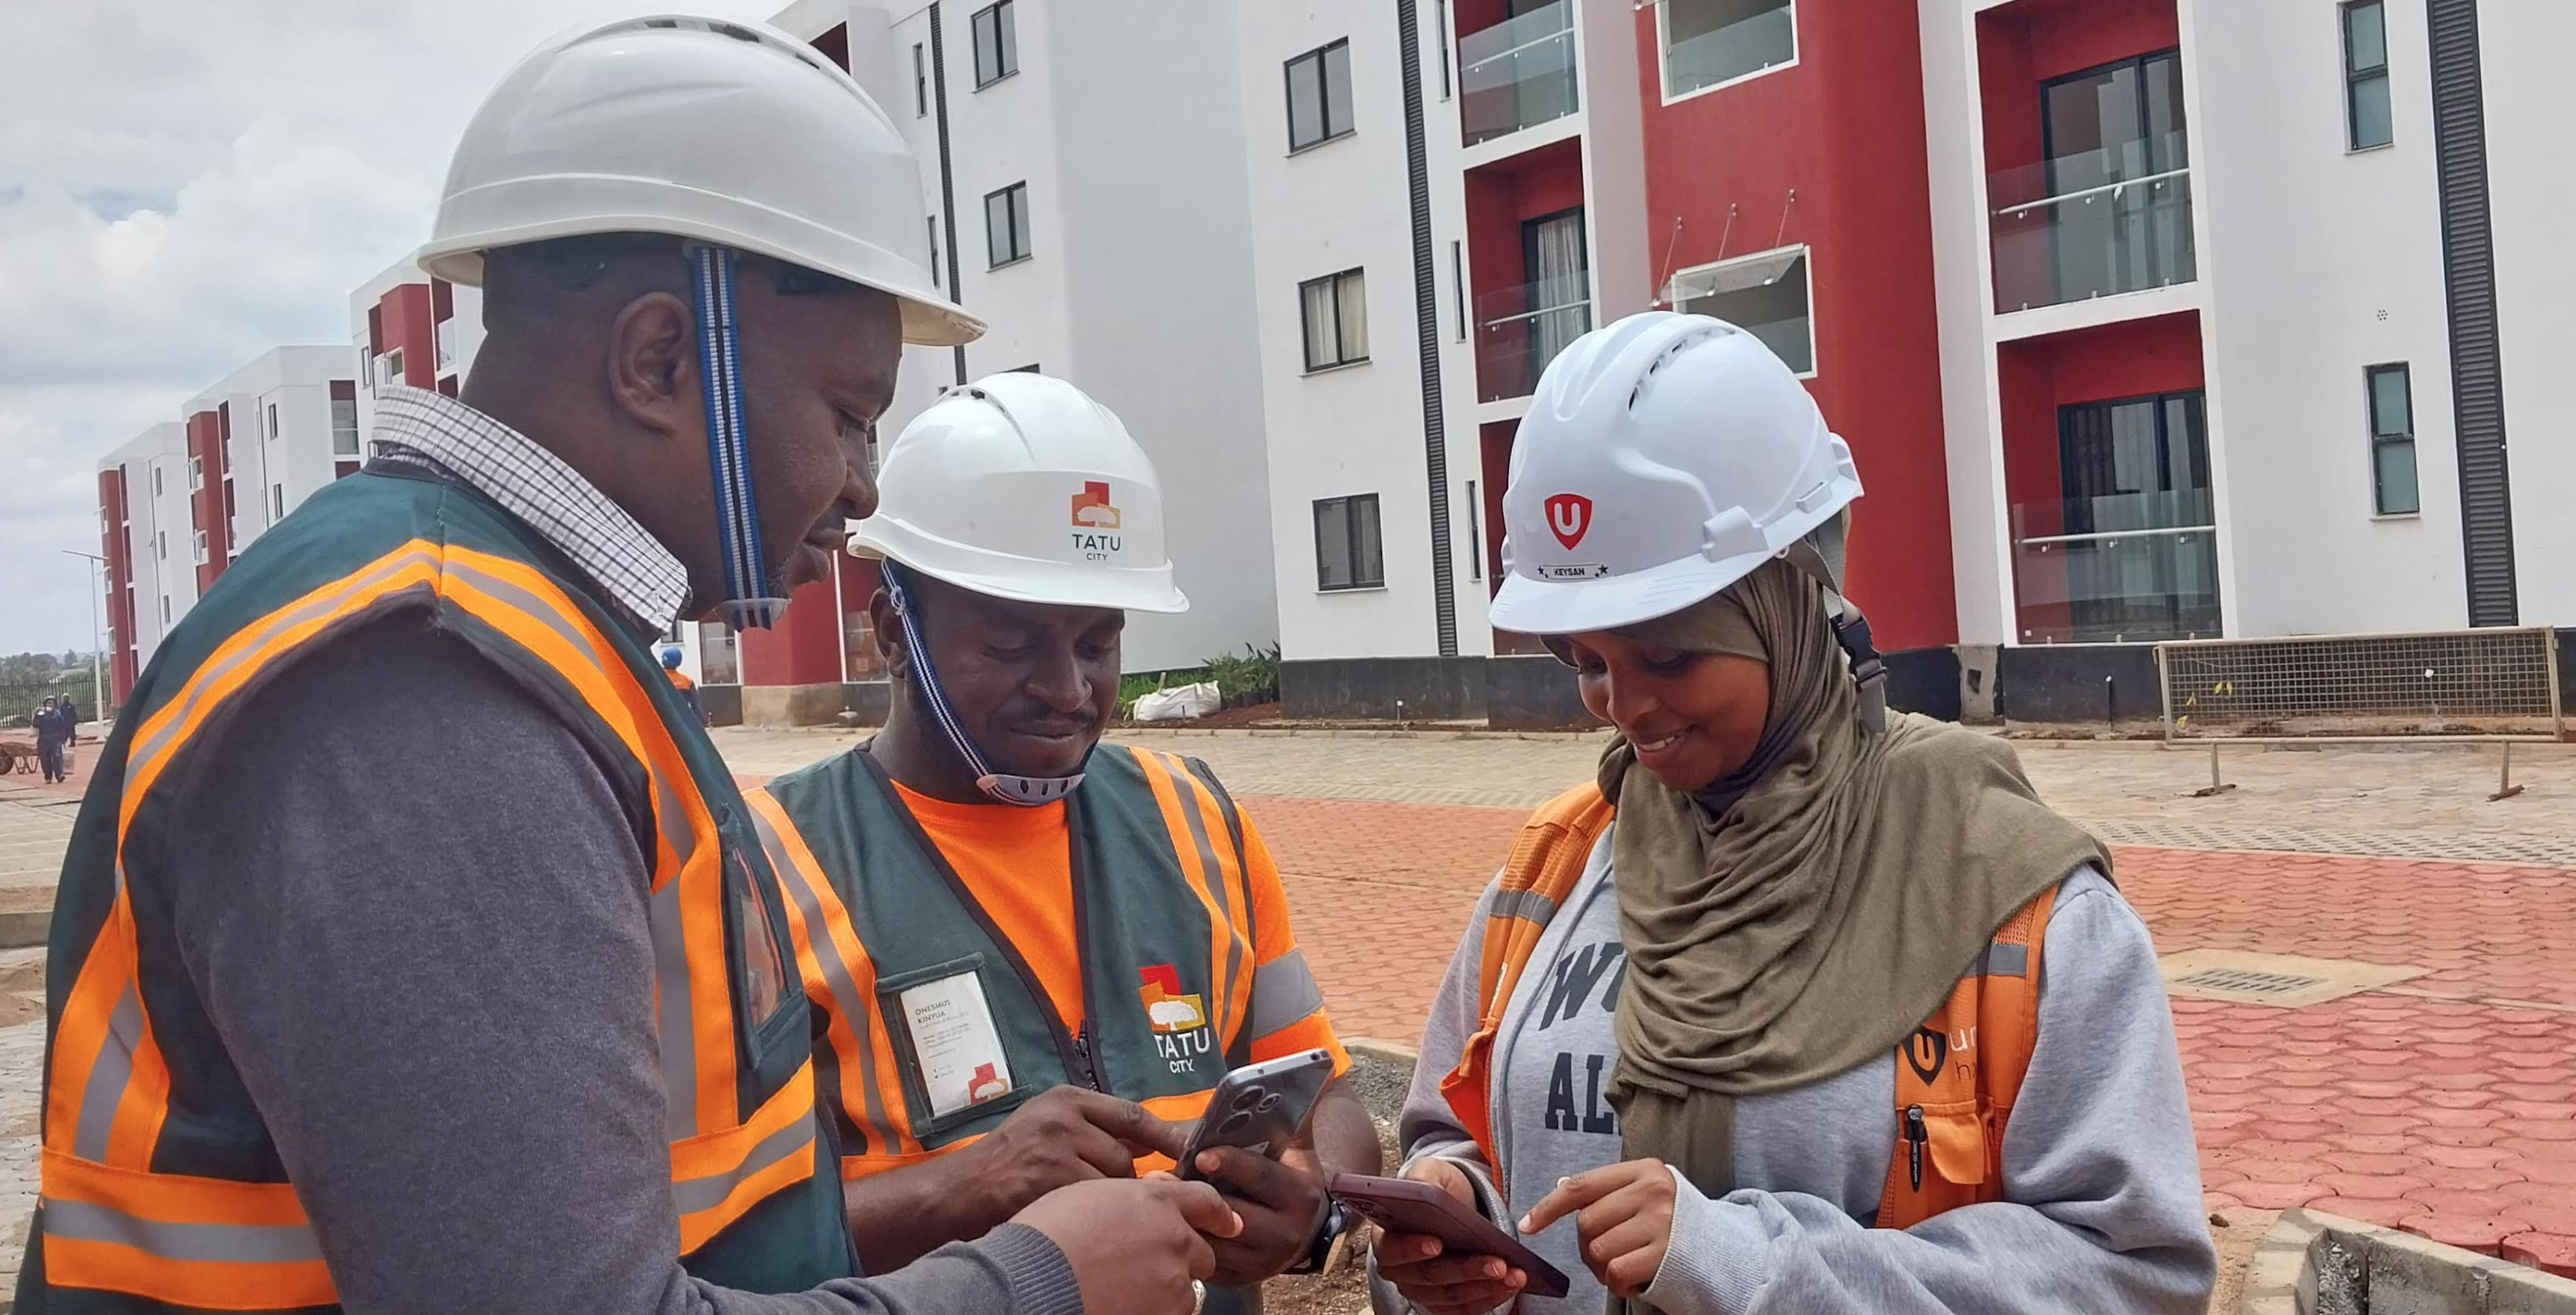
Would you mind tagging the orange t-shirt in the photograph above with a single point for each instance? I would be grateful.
(1018, 862)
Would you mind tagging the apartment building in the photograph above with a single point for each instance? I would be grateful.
(185, 497)
(2145, 319)
(412, 331)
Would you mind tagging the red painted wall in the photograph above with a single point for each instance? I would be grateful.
(2038, 375)
(206, 504)
(1843, 130)
(1500, 197)
(120, 578)
(804, 648)
(405, 321)
(860, 580)
(2020, 46)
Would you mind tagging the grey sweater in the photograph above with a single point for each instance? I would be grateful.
(2102, 1208)
(413, 905)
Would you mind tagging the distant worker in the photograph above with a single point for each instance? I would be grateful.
(414, 952)
(1132, 931)
(70, 713)
(51, 733)
(680, 681)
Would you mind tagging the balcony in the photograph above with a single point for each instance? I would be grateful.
(1519, 330)
(446, 345)
(2093, 224)
(1517, 74)
(2130, 568)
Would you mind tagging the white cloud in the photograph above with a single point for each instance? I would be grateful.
(184, 187)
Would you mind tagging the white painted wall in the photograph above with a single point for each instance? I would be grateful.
(153, 573)
(1355, 429)
(298, 455)
(1962, 276)
(2523, 48)
(2317, 263)
(467, 304)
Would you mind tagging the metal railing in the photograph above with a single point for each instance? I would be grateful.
(2093, 224)
(1519, 330)
(2125, 568)
(1517, 74)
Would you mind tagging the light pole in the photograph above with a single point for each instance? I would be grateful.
(97, 672)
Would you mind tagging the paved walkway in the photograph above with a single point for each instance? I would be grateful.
(2446, 1104)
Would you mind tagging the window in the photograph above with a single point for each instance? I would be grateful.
(2392, 441)
(1764, 294)
(161, 545)
(1319, 96)
(1440, 19)
(997, 44)
(197, 547)
(1335, 308)
(156, 479)
(716, 663)
(276, 503)
(165, 609)
(932, 223)
(1347, 552)
(1710, 43)
(1030, 368)
(344, 427)
(2365, 75)
(920, 82)
(1458, 281)
(272, 420)
(389, 366)
(1006, 224)
(196, 474)
(1475, 535)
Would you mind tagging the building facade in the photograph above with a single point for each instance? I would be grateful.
(185, 497)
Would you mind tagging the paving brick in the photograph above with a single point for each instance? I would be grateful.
(2553, 1253)
(2482, 1235)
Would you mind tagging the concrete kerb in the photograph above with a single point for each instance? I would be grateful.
(2320, 1264)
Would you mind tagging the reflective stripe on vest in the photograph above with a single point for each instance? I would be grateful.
(110, 1222)
(1965, 1091)
(1145, 818)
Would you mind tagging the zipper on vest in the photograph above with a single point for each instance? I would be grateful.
(1089, 1072)
(1915, 1136)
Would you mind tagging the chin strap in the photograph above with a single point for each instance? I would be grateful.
(1820, 555)
(752, 597)
(1025, 791)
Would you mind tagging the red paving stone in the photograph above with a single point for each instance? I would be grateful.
(2447, 1106)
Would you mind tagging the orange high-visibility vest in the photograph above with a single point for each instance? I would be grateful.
(160, 1184)
(1956, 1077)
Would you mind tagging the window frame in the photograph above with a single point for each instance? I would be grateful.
(1341, 340)
(1351, 543)
(1323, 94)
(1440, 13)
(1006, 53)
(931, 222)
(1017, 212)
(1664, 48)
(2370, 375)
(2353, 77)
(920, 80)
(1801, 255)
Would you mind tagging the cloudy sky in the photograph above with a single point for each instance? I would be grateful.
(183, 187)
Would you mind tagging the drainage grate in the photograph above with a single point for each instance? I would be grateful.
(2280, 981)
(2245, 982)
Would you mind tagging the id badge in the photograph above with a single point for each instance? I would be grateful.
(955, 1047)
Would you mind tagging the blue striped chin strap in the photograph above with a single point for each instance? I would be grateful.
(1025, 791)
(752, 596)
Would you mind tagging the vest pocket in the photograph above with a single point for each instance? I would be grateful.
(948, 1046)
(1954, 1141)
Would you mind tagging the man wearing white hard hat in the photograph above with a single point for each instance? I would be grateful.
(415, 952)
(1105, 916)
(1799, 1005)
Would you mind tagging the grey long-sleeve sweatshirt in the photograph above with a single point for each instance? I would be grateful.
(414, 907)
(2102, 1208)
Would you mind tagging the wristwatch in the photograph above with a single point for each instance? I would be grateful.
(1330, 1232)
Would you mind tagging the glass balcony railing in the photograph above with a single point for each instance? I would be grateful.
(1740, 49)
(2092, 224)
(1517, 74)
(2121, 569)
(1519, 330)
(446, 345)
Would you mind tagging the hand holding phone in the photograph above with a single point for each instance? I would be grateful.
(1438, 1251)
(1259, 1108)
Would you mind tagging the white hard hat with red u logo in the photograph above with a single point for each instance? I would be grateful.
(1662, 459)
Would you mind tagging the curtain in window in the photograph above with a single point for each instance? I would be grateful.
(1558, 287)
(1350, 316)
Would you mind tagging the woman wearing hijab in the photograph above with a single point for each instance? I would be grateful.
(1801, 1006)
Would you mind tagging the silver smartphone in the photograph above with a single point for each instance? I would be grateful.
(1260, 1107)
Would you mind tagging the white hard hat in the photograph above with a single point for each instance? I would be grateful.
(1020, 486)
(730, 133)
(1663, 457)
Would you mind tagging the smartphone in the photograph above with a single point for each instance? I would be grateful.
(1400, 1205)
(1260, 1107)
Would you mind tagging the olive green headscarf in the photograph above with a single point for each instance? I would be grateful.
(1809, 910)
